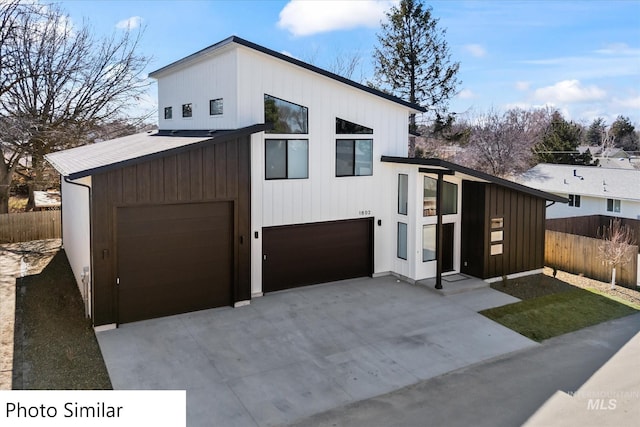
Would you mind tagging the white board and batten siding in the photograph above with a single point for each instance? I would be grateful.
(76, 236)
(242, 76)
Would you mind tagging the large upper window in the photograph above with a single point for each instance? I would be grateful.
(286, 158)
(285, 116)
(613, 205)
(449, 197)
(344, 127)
(354, 157)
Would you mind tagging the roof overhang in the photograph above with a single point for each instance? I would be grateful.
(223, 45)
(472, 174)
(103, 156)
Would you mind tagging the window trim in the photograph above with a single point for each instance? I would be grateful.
(188, 106)
(403, 210)
(366, 130)
(211, 102)
(272, 131)
(616, 205)
(170, 111)
(353, 158)
(286, 158)
(574, 200)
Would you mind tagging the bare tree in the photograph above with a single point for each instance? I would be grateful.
(616, 247)
(69, 83)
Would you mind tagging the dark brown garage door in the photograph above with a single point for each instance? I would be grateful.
(299, 255)
(173, 259)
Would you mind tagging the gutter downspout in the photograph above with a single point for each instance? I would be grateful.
(68, 181)
(549, 205)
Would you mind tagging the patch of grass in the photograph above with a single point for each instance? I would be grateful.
(533, 286)
(55, 345)
(555, 314)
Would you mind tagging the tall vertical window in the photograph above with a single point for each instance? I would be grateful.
(403, 193)
(354, 157)
(574, 200)
(168, 113)
(449, 197)
(187, 110)
(428, 243)
(402, 240)
(285, 116)
(215, 107)
(613, 205)
(286, 158)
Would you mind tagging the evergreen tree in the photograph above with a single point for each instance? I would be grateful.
(624, 134)
(596, 132)
(412, 58)
(559, 144)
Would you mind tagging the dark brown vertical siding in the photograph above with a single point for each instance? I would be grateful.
(209, 173)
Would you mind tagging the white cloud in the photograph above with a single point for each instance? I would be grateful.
(618, 49)
(522, 86)
(632, 103)
(476, 50)
(129, 23)
(569, 91)
(303, 18)
(466, 94)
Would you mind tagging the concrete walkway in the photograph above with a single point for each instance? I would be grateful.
(17, 260)
(296, 353)
(507, 390)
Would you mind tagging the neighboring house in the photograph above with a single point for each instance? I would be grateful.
(268, 173)
(590, 190)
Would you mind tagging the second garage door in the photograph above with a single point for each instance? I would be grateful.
(173, 259)
(306, 254)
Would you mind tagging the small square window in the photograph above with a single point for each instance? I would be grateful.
(187, 110)
(286, 159)
(574, 200)
(168, 113)
(215, 107)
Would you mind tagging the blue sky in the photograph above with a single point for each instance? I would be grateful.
(582, 57)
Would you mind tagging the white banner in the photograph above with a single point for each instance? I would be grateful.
(93, 407)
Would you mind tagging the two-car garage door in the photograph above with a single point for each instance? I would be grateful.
(306, 254)
(173, 259)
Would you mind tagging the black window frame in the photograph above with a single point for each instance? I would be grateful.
(277, 131)
(187, 110)
(405, 250)
(212, 103)
(574, 200)
(403, 208)
(170, 111)
(612, 202)
(358, 129)
(286, 159)
(353, 157)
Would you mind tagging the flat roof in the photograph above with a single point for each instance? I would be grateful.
(94, 158)
(480, 176)
(242, 42)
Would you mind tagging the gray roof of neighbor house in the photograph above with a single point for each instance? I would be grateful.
(101, 156)
(289, 59)
(475, 175)
(592, 181)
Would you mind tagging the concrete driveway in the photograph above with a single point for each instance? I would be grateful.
(296, 353)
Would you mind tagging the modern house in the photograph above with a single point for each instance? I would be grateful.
(268, 173)
(590, 190)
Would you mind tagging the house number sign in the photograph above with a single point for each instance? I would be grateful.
(364, 213)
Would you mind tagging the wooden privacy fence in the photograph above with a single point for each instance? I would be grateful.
(579, 255)
(26, 226)
(588, 226)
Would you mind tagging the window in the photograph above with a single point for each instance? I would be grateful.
(354, 157)
(402, 240)
(344, 127)
(403, 193)
(574, 200)
(613, 205)
(497, 236)
(286, 158)
(286, 117)
(428, 243)
(215, 107)
(449, 197)
(168, 113)
(187, 111)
